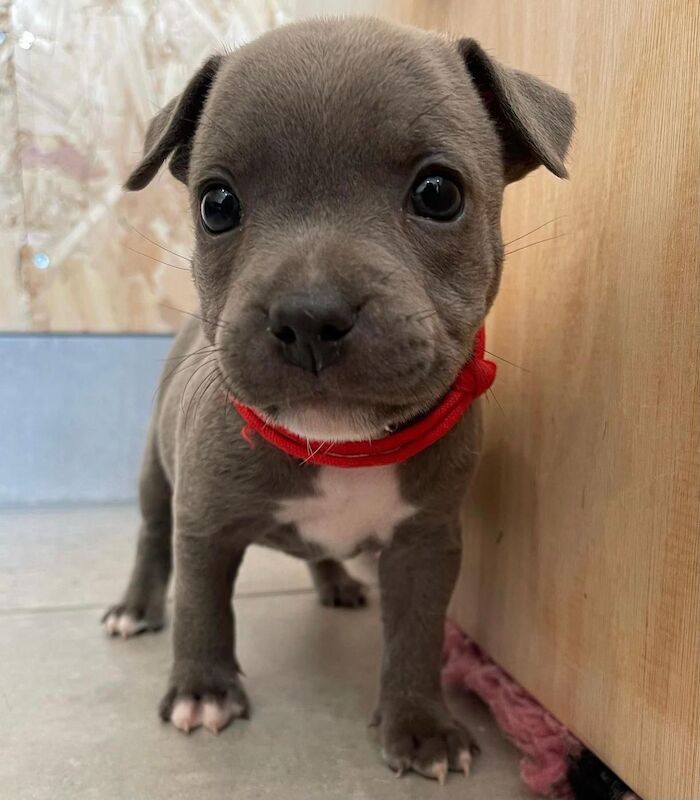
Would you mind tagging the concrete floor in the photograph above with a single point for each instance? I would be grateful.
(78, 710)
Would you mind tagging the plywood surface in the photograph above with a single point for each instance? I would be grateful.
(82, 80)
(582, 562)
(13, 309)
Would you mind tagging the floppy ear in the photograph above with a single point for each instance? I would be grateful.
(534, 120)
(172, 129)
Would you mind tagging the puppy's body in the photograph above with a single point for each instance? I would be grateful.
(338, 302)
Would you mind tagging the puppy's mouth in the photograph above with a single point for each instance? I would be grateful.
(332, 407)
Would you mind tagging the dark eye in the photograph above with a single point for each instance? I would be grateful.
(220, 209)
(436, 197)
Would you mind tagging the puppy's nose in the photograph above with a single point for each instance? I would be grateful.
(311, 328)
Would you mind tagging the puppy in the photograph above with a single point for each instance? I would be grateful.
(345, 181)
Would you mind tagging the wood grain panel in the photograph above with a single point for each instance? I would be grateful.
(581, 572)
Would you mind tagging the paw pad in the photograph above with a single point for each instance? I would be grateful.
(189, 713)
(123, 624)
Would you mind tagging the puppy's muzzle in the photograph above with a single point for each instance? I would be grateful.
(311, 327)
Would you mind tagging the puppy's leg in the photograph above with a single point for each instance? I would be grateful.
(417, 573)
(335, 586)
(204, 685)
(143, 605)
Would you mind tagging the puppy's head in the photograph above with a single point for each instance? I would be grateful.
(346, 180)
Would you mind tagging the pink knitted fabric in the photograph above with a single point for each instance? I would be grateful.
(545, 743)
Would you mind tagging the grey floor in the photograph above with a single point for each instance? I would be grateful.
(78, 710)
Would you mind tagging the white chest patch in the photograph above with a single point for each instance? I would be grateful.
(349, 506)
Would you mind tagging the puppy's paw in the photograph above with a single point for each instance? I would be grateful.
(125, 621)
(425, 741)
(213, 712)
(342, 591)
(212, 703)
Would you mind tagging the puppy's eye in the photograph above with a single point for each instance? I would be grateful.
(220, 209)
(437, 197)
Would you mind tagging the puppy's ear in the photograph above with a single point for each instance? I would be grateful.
(534, 120)
(172, 129)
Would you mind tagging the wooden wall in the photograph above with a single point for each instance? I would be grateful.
(581, 570)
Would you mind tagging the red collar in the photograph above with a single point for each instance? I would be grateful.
(475, 377)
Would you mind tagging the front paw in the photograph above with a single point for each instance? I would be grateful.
(424, 738)
(201, 695)
(128, 620)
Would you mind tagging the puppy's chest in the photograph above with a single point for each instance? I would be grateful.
(348, 507)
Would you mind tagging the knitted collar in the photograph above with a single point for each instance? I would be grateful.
(475, 377)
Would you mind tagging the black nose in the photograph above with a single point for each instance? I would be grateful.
(311, 327)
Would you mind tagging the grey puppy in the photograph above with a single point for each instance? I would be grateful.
(346, 181)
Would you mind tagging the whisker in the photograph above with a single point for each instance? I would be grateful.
(219, 323)
(194, 394)
(532, 244)
(450, 303)
(212, 380)
(493, 394)
(189, 380)
(193, 353)
(421, 312)
(223, 389)
(315, 452)
(430, 108)
(153, 258)
(538, 228)
(179, 367)
(153, 241)
(512, 363)
(427, 316)
(416, 313)
(227, 405)
(220, 128)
